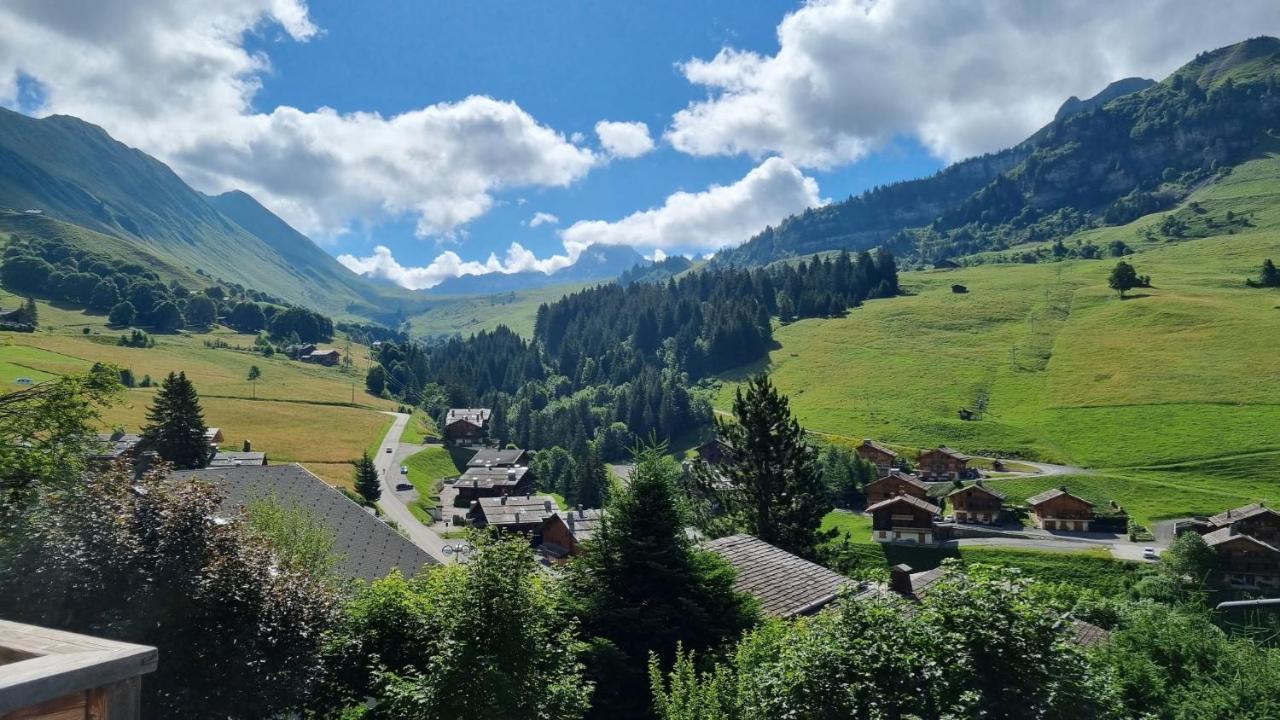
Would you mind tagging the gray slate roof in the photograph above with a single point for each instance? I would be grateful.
(906, 477)
(495, 458)
(582, 522)
(117, 445)
(475, 416)
(785, 585)
(367, 547)
(499, 477)
(910, 500)
(232, 459)
(1221, 535)
(1048, 495)
(517, 510)
(1224, 519)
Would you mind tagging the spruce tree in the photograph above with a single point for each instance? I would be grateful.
(772, 488)
(175, 424)
(366, 479)
(30, 315)
(1269, 277)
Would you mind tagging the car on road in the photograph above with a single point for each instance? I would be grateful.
(1149, 553)
(403, 486)
(404, 469)
(388, 450)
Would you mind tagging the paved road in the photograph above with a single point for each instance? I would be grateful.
(392, 503)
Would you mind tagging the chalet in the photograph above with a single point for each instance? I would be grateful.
(1058, 509)
(1256, 520)
(904, 519)
(1245, 560)
(115, 446)
(213, 436)
(466, 426)
(366, 547)
(484, 482)
(490, 457)
(785, 585)
(882, 457)
(943, 463)
(715, 452)
(564, 532)
(895, 483)
(236, 459)
(299, 352)
(522, 513)
(323, 357)
(976, 503)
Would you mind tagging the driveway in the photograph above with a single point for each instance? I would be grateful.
(395, 505)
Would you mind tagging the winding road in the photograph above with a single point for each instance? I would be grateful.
(392, 504)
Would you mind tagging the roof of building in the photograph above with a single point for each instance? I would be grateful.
(1226, 534)
(366, 547)
(495, 457)
(475, 416)
(323, 353)
(581, 522)
(910, 500)
(232, 459)
(213, 434)
(491, 477)
(517, 510)
(943, 449)
(785, 585)
(869, 443)
(1048, 495)
(1241, 513)
(1087, 634)
(979, 486)
(114, 445)
(905, 477)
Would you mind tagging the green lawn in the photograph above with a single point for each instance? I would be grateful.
(427, 470)
(418, 428)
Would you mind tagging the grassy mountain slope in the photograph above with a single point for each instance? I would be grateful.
(76, 173)
(472, 313)
(1155, 392)
(1103, 165)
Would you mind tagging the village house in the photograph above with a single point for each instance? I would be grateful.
(299, 352)
(117, 445)
(786, 585)
(517, 513)
(483, 482)
(323, 357)
(895, 483)
(213, 436)
(1058, 509)
(904, 519)
(715, 452)
(564, 532)
(466, 426)
(493, 457)
(976, 503)
(1247, 541)
(236, 459)
(943, 463)
(882, 457)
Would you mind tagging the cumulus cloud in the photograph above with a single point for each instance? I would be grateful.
(382, 265)
(961, 76)
(543, 218)
(624, 139)
(707, 220)
(174, 78)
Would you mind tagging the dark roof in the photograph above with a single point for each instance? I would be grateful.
(868, 442)
(943, 449)
(114, 445)
(518, 510)
(1226, 534)
(907, 477)
(1087, 634)
(909, 499)
(581, 522)
(1048, 495)
(495, 457)
(979, 486)
(785, 585)
(1223, 519)
(497, 477)
(367, 547)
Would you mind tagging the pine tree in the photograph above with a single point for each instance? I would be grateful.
(175, 424)
(1270, 277)
(592, 477)
(30, 315)
(366, 479)
(772, 488)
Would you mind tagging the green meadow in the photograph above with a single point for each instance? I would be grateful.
(1168, 398)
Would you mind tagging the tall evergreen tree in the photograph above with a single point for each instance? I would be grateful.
(30, 315)
(175, 424)
(773, 487)
(366, 479)
(593, 477)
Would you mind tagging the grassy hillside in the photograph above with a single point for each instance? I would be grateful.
(471, 314)
(1158, 392)
(296, 413)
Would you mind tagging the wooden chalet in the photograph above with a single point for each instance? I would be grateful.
(323, 357)
(493, 457)
(904, 519)
(1256, 520)
(213, 436)
(488, 482)
(894, 483)
(715, 452)
(1059, 510)
(786, 585)
(976, 503)
(564, 532)
(882, 457)
(466, 426)
(1247, 541)
(523, 514)
(943, 463)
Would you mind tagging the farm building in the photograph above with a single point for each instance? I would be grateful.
(1058, 509)
(323, 357)
(943, 463)
(715, 452)
(1247, 540)
(466, 426)
(786, 585)
(976, 503)
(904, 519)
(895, 483)
(882, 457)
(564, 532)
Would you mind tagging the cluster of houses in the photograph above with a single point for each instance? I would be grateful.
(309, 353)
(121, 446)
(1247, 540)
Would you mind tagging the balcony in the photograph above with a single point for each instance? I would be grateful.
(54, 674)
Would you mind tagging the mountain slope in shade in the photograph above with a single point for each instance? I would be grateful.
(1119, 88)
(76, 173)
(597, 262)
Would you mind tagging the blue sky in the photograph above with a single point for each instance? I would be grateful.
(417, 141)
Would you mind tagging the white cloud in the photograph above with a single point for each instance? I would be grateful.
(624, 139)
(383, 266)
(962, 76)
(543, 218)
(173, 77)
(708, 220)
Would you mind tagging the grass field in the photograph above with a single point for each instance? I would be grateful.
(471, 314)
(1157, 393)
(296, 412)
(427, 470)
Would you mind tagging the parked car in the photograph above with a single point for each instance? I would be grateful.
(403, 486)
(404, 469)
(388, 450)
(1149, 553)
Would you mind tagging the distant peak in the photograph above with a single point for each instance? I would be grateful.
(1119, 88)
